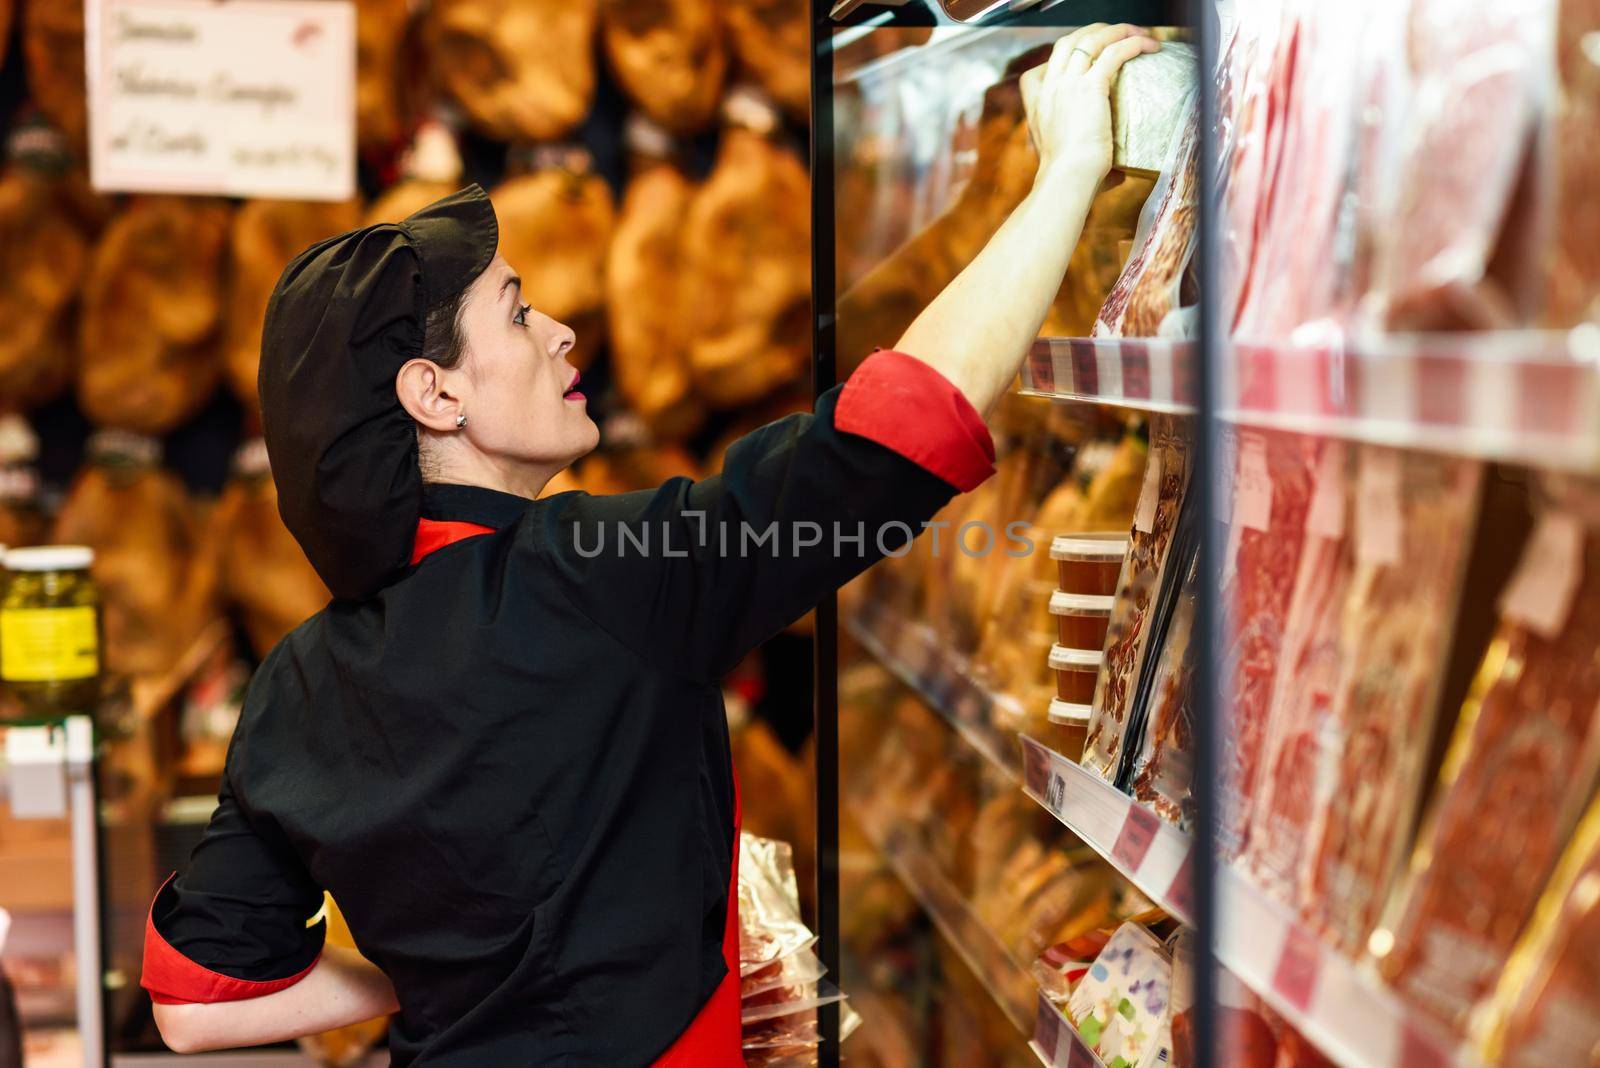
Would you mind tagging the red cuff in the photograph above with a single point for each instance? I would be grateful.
(173, 979)
(906, 406)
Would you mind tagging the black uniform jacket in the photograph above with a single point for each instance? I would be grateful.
(511, 768)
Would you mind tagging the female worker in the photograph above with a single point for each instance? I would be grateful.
(502, 747)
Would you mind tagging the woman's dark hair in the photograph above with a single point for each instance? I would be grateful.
(442, 341)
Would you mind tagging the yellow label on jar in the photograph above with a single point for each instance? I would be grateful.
(48, 644)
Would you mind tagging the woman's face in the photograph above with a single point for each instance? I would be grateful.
(514, 384)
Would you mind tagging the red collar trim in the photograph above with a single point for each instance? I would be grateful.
(435, 534)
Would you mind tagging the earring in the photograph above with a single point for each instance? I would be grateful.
(461, 420)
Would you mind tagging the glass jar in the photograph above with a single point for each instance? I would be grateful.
(50, 630)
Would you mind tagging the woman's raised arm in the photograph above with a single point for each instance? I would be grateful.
(977, 331)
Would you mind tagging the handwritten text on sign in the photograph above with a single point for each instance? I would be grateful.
(238, 97)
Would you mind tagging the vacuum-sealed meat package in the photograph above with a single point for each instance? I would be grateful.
(1309, 661)
(1546, 1010)
(1414, 518)
(1143, 301)
(1271, 496)
(1163, 766)
(1574, 271)
(1476, 68)
(1155, 523)
(1521, 765)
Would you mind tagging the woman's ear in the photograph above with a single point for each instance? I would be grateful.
(420, 385)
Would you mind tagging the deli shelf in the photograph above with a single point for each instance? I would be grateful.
(1336, 1004)
(1529, 397)
(1150, 853)
(914, 653)
(1056, 1042)
(1008, 983)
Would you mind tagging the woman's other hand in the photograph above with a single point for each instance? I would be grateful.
(1068, 99)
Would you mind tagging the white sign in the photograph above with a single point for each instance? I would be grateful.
(229, 97)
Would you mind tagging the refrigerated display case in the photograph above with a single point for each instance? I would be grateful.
(1332, 373)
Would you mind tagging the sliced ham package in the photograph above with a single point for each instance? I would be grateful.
(1163, 766)
(1271, 497)
(1148, 298)
(1546, 1010)
(1156, 520)
(1308, 670)
(1521, 765)
(1454, 251)
(1413, 522)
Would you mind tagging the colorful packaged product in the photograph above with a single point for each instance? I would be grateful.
(1122, 1007)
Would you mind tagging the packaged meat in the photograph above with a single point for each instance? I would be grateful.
(1163, 764)
(1155, 522)
(1271, 497)
(53, 51)
(1574, 271)
(1546, 1009)
(1148, 104)
(522, 70)
(1303, 690)
(152, 305)
(1413, 522)
(44, 255)
(1476, 67)
(747, 271)
(647, 327)
(265, 236)
(265, 575)
(1522, 763)
(1122, 1006)
(1147, 293)
(556, 224)
(1245, 112)
(670, 58)
(772, 39)
(1301, 271)
(156, 574)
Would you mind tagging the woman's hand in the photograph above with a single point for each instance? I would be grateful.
(1068, 99)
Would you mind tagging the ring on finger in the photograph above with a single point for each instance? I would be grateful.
(1085, 53)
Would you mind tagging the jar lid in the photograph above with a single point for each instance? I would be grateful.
(50, 558)
(1064, 659)
(1080, 604)
(1105, 545)
(1072, 715)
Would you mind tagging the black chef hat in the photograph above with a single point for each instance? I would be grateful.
(347, 313)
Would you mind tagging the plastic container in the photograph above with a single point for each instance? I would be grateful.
(50, 630)
(1076, 670)
(1081, 619)
(1069, 725)
(1089, 563)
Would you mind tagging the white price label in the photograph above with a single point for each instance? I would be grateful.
(1144, 516)
(1378, 518)
(1541, 592)
(1252, 507)
(1055, 794)
(1326, 516)
(245, 98)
